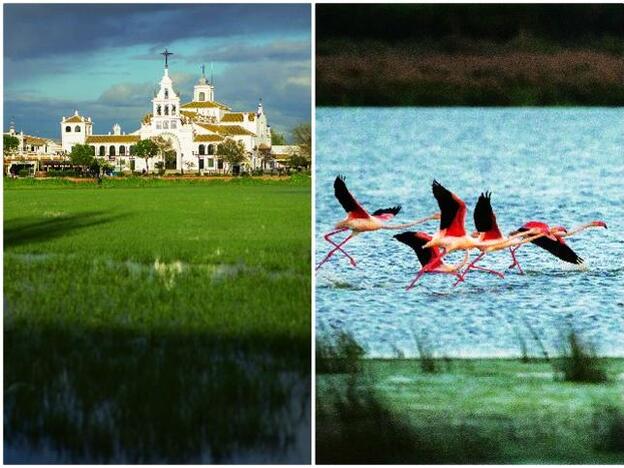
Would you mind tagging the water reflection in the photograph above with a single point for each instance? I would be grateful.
(114, 396)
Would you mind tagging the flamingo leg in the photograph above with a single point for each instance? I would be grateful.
(494, 272)
(333, 251)
(471, 265)
(327, 237)
(426, 269)
(512, 251)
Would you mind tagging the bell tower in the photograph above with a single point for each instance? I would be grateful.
(204, 89)
(166, 103)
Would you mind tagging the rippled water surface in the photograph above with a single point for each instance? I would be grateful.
(561, 166)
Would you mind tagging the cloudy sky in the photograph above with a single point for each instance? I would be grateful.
(104, 60)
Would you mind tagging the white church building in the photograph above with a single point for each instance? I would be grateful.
(194, 130)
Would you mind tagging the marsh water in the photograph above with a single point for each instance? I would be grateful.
(563, 166)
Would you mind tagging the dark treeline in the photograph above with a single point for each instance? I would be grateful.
(573, 24)
(470, 55)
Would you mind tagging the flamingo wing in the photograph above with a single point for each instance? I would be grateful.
(416, 240)
(485, 219)
(348, 201)
(387, 213)
(452, 209)
(556, 247)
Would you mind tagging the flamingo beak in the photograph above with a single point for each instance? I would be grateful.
(600, 224)
(428, 244)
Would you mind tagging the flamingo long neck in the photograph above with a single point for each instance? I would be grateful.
(513, 241)
(577, 229)
(413, 223)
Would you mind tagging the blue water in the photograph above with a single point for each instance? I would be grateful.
(561, 166)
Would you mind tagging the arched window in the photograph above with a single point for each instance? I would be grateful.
(165, 124)
(131, 149)
(166, 110)
(93, 150)
(211, 149)
(202, 149)
(102, 150)
(166, 93)
(158, 109)
(202, 96)
(111, 150)
(68, 129)
(122, 150)
(173, 109)
(77, 129)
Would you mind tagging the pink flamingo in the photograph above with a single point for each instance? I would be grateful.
(358, 220)
(452, 233)
(554, 242)
(429, 257)
(487, 230)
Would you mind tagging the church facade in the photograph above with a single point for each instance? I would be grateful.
(193, 130)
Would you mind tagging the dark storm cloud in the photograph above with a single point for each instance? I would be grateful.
(241, 52)
(79, 28)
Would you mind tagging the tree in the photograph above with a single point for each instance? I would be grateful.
(232, 151)
(166, 151)
(83, 156)
(277, 138)
(266, 156)
(10, 144)
(302, 134)
(145, 149)
(297, 160)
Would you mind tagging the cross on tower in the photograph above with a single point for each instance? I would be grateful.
(166, 53)
(203, 67)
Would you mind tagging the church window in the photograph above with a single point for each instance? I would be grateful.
(68, 129)
(202, 149)
(201, 164)
(166, 94)
(220, 164)
(122, 150)
(166, 110)
(111, 150)
(158, 109)
(211, 149)
(93, 149)
(210, 162)
(77, 129)
(174, 124)
(173, 109)
(202, 96)
(102, 150)
(165, 124)
(158, 125)
(131, 151)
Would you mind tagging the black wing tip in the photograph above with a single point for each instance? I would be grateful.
(340, 178)
(393, 210)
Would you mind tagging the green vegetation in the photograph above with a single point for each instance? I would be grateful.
(232, 151)
(9, 144)
(468, 411)
(145, 149)
(156, 320)
(579, 361)
(458, 55)
(277, 138)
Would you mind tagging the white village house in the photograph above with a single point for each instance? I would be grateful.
(194, 131)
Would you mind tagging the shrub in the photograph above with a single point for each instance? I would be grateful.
(427, 360)
(579, 362)
(337, 354)
(23, 172)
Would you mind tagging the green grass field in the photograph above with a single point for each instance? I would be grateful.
(142, 315)
(471, 411)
